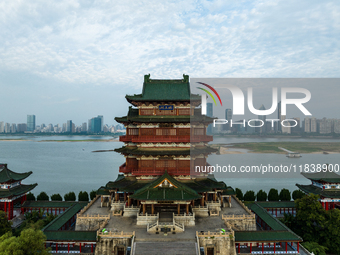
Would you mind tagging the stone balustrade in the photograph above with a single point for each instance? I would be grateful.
(144, 219)
(111, 234)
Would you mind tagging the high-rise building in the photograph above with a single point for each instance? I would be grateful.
(69, 126)
(96, 124)
(2, 127)
(209, 114)
(325, 126)
(7, 128)
(30, 123)
(13, 128)
(102, 122)
(263, 128)
(279, 126)
(228, 117)
(313, 125)
(336, 126)
(22, 127)
(84, 127)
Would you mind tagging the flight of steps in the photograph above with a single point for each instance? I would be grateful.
(165, 248)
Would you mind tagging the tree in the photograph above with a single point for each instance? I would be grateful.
(71, 196)
(249, 196)
(314, 247)
(5, 225)
(261, 195)
(29, 242)
(93, 194)
(273, 195)
(239, 194)
(56, 197)
(83, 196)
(43, 196)
(331, 232)
(310, 217)
(285, 195)
(30, 197)
(297, 194)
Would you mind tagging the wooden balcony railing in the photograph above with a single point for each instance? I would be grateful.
(165, 138)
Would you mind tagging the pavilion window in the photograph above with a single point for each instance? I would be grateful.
(146, 163)
(146, 111)
(199, 131)
(166, 131)
(146, 131)
(183, 163)
(184, 131)
(184, 111)
(166, 112)
(132, 131)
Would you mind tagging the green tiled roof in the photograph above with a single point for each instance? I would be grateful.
(7, 175)
(17, 190)
(279, 231)
(329, 193)
(48, 204)
(64, 217)
(164, 90)
(277, 204)
(89, 236)
(131, 184)
(324, 176)
(165, 151)
(271, 221)
(151, 192)
(266, 236)
(229, 191)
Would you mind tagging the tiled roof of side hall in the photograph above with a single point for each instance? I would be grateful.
(266, 236)
(17, 190)
(62, 218)
(48, 204)
(277, 204)
(330, 193)
(7, 175)
(70, 235)
(279, 231)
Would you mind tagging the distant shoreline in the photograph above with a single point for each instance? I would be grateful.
(272, 147)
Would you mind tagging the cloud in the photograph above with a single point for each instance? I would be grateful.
(114, 43)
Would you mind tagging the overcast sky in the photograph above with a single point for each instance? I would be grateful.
(75, 60)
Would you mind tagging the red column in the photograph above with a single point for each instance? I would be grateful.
(68, 248)
(250, 247)
(239, 248)
(56, 247)
(276, 212)
(286, 247)
(274, 247)
(323, 205)
(298, 247)
(80, 247)
(91, 247)
(262, 247)
(6, 208)
(326, 206)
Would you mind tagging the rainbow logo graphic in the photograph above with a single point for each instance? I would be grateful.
(209, 93)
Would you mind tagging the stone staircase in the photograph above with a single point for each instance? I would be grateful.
(165, 248)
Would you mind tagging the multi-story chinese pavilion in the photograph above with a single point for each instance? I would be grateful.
(165, 138)
(326, 184)
(12, 192)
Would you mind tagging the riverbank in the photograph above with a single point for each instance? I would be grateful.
(273, 147)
